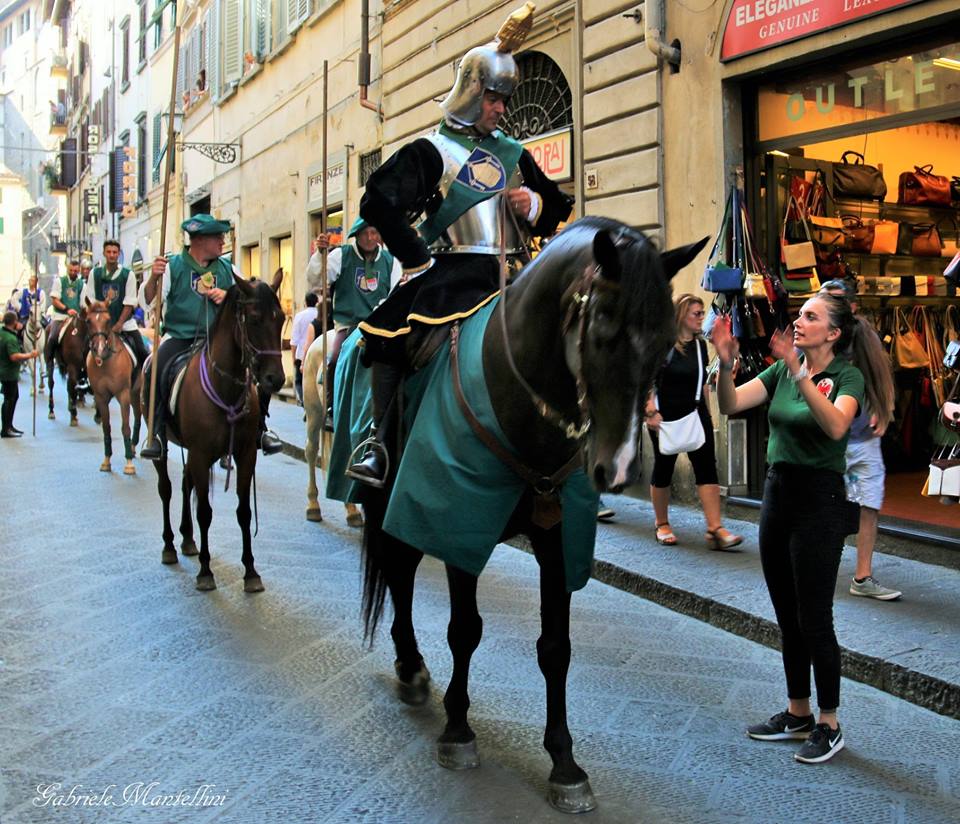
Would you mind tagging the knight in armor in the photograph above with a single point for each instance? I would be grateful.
(194, 284)
(360, 275)
(467, 182)
(117, 286)
(65, 299)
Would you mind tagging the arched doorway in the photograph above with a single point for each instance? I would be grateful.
(542, 101)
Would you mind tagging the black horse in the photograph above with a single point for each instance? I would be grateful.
(567, 368)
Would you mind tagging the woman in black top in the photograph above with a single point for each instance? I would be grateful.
(681, 390)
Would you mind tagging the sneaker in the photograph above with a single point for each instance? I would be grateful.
(822, 745)
(783, 726)
(870, 587)
(605, 513)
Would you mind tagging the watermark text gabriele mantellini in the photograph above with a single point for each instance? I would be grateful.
(135, 794)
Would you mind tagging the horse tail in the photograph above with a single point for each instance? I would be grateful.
(374, 573)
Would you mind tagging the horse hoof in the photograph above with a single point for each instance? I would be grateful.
(456, 755)
(355, 519)
(314, 515)
(189, 548)
(74, 422)
(51, 416)
(416, 691)
(129, 469)
(205, 583)
(105, 466)
(572, 798)
(168, 556)
(253, 584)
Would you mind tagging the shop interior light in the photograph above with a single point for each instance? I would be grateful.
(947, 63)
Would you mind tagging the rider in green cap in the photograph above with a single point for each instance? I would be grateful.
(194, 284)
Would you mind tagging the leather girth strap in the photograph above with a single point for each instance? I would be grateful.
(546, 508)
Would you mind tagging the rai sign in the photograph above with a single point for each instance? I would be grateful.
(552, 153)
(754, 25)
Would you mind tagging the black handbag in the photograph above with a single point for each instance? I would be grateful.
(857, 179)
(955, 189)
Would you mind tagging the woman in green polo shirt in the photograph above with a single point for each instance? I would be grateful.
(814, 393)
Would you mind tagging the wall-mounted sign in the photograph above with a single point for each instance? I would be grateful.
(336, 181)
(552, 152)
(754, 25)
(91, 204)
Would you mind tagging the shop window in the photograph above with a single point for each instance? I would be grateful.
(542, 101)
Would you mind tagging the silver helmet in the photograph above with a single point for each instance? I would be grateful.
(490, 67)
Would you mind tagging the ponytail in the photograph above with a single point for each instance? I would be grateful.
(866, 352)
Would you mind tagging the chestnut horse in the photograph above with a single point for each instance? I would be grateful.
(218, 415)
(112, 374)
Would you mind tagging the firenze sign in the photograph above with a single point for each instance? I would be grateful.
(754, 25)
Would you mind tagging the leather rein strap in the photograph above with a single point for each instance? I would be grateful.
(541, 484)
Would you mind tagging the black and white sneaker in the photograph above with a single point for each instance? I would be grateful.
(822, 745)
(782, 727)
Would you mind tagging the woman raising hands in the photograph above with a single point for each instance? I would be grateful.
(814, 393)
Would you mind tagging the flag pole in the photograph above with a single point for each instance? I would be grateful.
(171, 148)
(326, 394)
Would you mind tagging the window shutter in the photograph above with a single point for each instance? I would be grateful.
(260, 28)
(157, 138)
(296, 14)
(181, 74)
(232, 40)
(194, 64)
(213, 50)
(117, 157)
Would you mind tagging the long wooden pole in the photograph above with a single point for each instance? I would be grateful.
(171, 148)
(35, 324)
(326, 393)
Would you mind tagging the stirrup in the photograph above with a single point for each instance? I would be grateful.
(370, 444)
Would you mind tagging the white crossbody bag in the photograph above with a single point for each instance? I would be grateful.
(684, 434)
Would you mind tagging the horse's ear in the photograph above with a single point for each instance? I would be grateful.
(277, 280)
(244, 285)
(605, 254)
(674, 260)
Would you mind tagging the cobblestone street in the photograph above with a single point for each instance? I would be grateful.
(118, 678)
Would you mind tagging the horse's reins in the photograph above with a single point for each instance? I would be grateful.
(233, 411)
(544, 486)
(105, 335)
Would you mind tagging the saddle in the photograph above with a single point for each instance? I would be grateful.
(171, 378)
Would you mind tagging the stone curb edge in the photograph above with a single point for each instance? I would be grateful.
(909, 684)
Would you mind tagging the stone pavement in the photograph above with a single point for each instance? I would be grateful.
(119, 680)
(907, 647)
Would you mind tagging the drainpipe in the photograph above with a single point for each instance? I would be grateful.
(653, 33)
(363, 60)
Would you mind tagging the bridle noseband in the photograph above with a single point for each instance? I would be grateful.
(107, 336)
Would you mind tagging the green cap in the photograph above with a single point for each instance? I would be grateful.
(358, 225)
(205, 225)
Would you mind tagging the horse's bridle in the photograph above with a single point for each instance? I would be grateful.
(577, 296)
(110, 351)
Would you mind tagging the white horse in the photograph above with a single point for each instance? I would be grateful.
(313, 371)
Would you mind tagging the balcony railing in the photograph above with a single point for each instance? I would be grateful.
(58, 121)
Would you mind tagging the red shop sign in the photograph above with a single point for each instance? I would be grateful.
(754, 25)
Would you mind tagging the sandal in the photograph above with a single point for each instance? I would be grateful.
(665, 534)
(723, 540)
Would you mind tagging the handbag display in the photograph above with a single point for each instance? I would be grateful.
(955, 189)
(949, 240)
(908, 349)
(885, 234)
(922, 187)
(943, 476)
(684, 434)
(720, 276)
(857, 179)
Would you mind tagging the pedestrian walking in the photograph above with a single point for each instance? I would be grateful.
(866, 475)
(814, 397)
(298, 338)
(680, 393)
(11, 356)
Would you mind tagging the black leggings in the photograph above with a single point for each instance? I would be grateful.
(11, 393)
(800, 548)
(704, 459)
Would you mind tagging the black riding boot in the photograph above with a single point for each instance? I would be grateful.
(269, 442)
(155, 450)
(372, 468)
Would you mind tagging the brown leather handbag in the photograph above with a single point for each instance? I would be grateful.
(925, 240)
(922, 187)
(885, 237)
(859, 234)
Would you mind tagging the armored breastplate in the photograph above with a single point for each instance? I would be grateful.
(477, 230)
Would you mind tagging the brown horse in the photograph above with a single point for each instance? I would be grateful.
(111, 371)
(69, 355)
(218, 414)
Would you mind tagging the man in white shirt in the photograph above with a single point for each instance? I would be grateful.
(298, 339)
